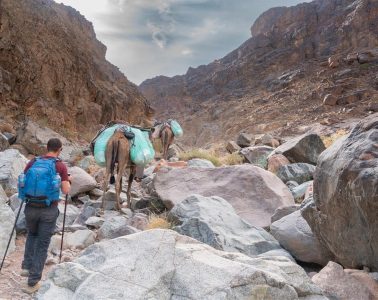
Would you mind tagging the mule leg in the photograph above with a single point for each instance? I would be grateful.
(105, 188)
(118, 186)
(130, 182)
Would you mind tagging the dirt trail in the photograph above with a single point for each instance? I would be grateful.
(10, 280)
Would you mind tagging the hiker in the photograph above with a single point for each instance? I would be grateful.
(42, 212)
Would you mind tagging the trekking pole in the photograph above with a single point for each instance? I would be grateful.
(64, 222)
(10, 238)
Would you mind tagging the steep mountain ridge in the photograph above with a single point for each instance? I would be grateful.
(53, 70)
(277, 79)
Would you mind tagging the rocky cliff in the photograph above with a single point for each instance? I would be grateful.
(277, 80)
(53, 70)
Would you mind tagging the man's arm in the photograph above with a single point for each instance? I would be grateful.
(63, 172)
(66, 187)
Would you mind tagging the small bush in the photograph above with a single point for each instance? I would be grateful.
(156, 221)
(232, 159)
(203, 154)
(330, 139)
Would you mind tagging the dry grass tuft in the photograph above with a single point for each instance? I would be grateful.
(232, 159)
(330, 139)
(203, 154)
(158, 221)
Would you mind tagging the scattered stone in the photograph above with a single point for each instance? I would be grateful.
(161, 264)
(79, 239)
(200, 163)
(232, 147)
(345, 192)
(173, 151)
(110, 199)
(338, 283)
(244, 140)
(213, 221)
(291, 184)
(299, 192)
(330, 100)
(84, 199)
(333, 62)
(295, 235)
(255, 202)
(85, 213)
(82, 182)
(72, 213)
(96, 193)
(305, 148)
(299, 172)
(95, 222)
(267, 140)
(138, 221)
(86, 163)
(115, 227)
(257, 155)
(367, 56)
(276, 161)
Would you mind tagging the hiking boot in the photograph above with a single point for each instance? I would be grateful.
(24, 273)
(31, 289)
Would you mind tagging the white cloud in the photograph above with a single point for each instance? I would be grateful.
(146, 38)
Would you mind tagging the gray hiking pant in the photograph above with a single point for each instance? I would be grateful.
(40, 224)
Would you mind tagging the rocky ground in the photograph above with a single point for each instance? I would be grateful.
(255, 230)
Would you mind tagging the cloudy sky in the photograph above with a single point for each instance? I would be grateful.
(147, 38)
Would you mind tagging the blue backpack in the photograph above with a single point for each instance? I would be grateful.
(41, 183)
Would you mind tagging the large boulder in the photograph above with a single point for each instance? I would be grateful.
(81, 181)
(161, 264)
(257, 155)
(284, 211)
(213, 221)
(298, 172)
(305, 148)
(253, 192)
(295, 235)
(12, 164)
(7, 218)
(14, 203)
(344, 214)
(3, 196)
(34, 138)
(338, 283)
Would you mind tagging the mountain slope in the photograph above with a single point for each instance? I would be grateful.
(53, 70)
(277, 79)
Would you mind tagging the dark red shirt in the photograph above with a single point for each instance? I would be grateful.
(61, 168)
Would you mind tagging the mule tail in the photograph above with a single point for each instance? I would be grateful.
(115, 146)
(165, 144)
